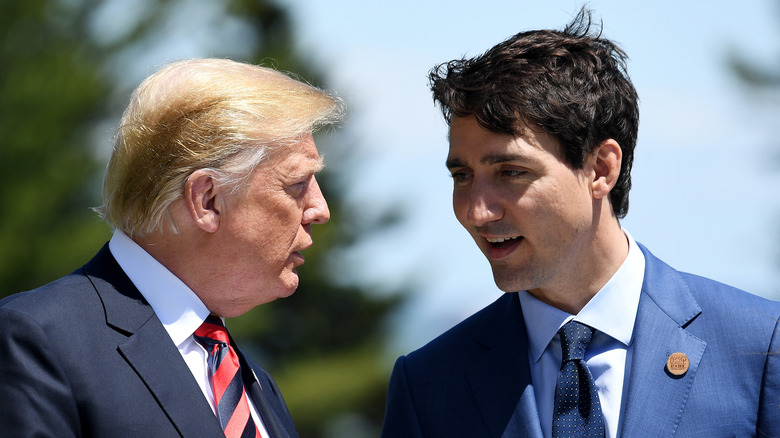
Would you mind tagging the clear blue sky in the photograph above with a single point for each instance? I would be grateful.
(707, 165)
(705, 195)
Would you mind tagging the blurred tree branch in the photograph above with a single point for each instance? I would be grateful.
(68, 67)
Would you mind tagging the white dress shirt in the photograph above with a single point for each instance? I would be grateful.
(612, 312)
(176, 306)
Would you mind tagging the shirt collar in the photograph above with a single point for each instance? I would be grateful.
(611, 311)
(176, 305)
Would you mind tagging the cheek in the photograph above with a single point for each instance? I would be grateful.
(276, 214)
(568, 212)
(283, 231)
(460, 206)
(261, 229)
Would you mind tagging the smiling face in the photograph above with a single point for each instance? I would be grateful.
(530, 213)
(263, 230)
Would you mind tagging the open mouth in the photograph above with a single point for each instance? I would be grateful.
(503, 242)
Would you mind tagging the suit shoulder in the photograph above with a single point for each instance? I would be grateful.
(472, 332)
(706, 291)
(72, 295)
(715, 296)
(60, 298)
(721, 314)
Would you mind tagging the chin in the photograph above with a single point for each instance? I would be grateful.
(508, 282)
(280, 286)
(288, 286)
(509, 288)
(287, 292)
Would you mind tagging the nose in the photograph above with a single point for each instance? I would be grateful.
(482, 205)
(316, 211)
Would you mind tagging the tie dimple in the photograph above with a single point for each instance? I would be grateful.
(575, 338)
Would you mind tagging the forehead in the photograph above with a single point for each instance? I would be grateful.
(472, 144)
(302, 156)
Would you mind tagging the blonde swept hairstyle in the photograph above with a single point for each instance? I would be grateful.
(214, 114)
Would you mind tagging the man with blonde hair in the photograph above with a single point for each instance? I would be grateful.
(212, 193)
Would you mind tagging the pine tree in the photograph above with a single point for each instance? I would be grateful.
(62, 83)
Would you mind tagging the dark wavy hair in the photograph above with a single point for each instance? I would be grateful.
(571, 84)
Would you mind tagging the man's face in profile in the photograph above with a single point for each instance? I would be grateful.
(266, 227)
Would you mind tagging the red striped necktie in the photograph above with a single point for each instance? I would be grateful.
(225, 374)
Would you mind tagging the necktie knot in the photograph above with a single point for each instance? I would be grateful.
(575, 338)
(577, 410)
(213, 336)
(230, 398)
(213, 329)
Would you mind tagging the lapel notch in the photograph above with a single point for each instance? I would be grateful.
(656, 398)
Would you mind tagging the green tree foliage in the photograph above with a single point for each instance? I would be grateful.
(61, 81)
(50, 92)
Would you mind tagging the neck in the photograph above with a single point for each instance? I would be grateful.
(169, 249)
(588, 270)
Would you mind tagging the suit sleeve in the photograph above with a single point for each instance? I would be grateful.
(768, 424)
(401, 420)
(35, 397)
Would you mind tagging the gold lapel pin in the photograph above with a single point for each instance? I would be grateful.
(677, 364)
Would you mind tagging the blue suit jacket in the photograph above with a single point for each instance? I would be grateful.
(87, 356)
(475, 381)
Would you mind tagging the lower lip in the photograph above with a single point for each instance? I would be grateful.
(497, 253)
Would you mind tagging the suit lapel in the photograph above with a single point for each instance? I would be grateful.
(656, 399)
(149, 350)
(158, 363)
(500, 376)
(267, 399)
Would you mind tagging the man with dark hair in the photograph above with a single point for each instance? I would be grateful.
(601, 338)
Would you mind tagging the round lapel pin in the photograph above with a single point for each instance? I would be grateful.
(677, 364)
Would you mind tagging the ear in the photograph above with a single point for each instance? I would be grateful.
(606, 166)
(203, 200)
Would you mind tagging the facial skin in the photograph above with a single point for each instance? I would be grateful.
(237, 251)
(542, 224)
(265, 229)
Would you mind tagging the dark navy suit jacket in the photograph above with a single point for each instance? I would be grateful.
(474, 380)
(86, 356)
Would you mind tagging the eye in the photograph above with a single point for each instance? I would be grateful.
(460, 177)
(296, 189)
(513, 173)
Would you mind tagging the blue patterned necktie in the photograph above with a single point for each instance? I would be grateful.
(577, 411)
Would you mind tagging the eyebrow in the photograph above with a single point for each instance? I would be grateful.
(319, 165)
(488, 160)
(315, 167)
